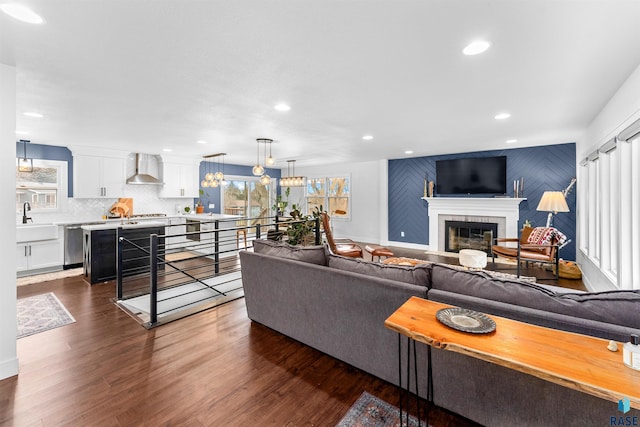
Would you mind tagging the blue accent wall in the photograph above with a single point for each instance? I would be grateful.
(212, 195)
(49, 152)
(545, 168)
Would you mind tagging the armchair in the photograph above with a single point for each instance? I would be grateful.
(536, 245)
(343, 247)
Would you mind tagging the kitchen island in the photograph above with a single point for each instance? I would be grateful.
(100, 249)
(210, 234)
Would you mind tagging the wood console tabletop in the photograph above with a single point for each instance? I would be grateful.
(572, 360)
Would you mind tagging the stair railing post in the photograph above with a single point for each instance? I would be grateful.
(120, 243)
(216, 246)
(153, 270)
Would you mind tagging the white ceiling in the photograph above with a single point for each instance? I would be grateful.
(147, 75)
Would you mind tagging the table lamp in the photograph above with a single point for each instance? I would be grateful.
(552, 202)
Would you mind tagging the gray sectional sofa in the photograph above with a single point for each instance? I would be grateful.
(338, 305)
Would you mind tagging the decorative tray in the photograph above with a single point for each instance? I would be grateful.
(465, 320)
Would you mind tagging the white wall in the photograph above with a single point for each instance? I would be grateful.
(368, 222)
(8, 323)
(621, 110)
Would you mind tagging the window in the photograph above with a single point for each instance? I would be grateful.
(45, 188)
(333, 194)
(609, 231)
(247, 197)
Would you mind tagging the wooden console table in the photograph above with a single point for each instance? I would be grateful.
(572, 360)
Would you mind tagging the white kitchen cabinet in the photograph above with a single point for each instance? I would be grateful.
(39, 256)
(95, 176)
(180, 180)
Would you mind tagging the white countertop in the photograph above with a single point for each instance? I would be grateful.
(208, 217)
(111, 225)
(113, 222)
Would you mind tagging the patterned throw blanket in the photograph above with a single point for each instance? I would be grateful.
(544, 236)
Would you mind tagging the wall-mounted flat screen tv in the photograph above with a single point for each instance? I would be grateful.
(478, 175)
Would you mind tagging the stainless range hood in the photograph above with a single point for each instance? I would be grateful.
(142, 167)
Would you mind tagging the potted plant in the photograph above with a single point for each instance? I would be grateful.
(301, 228)
(280, 205)
(199, 205)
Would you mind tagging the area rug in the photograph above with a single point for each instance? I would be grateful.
(41, 313)
(45, 277)
(368, 411)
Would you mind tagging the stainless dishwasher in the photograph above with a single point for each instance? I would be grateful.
(73, 244)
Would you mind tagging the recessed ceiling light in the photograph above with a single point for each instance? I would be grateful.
(21, 132)
(167, 150)
(21, 13)
(367, 137)
(502, 116)
(511, 141)
(476, 47)
(282, 107)
(408, 152)
(32, 114)
(201, 141)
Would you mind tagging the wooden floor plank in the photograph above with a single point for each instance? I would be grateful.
(212, 368)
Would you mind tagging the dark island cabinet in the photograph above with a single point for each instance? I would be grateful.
(100, 252)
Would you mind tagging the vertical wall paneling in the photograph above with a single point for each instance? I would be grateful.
(407, 212)
(544, 168)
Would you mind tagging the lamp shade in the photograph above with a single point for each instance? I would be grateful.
(553, 201)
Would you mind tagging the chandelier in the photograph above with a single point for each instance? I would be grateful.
(291, 180)
(214, 179)
(25, 164)
(258, 169)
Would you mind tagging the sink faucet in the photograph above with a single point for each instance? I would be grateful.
(25, 208)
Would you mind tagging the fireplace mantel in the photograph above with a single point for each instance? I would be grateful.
(506, 209)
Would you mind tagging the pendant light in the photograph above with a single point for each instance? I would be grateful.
(25, 164)
(265, 179)
(216, 179)
(270, 161)
(291, 180)
(258, 169)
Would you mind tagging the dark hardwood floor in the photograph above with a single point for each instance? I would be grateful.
(215, 368)
(210, 369)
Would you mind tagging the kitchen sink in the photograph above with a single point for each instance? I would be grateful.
(32, 232)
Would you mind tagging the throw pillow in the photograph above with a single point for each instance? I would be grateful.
(544, 235)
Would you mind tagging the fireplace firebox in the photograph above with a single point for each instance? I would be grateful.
(469, 235)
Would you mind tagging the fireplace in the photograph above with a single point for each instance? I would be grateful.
(469, 235)
(503, 211)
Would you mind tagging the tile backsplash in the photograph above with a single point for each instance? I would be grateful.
(145, 200)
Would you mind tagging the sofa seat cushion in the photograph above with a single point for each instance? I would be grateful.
(617, 307)
(311, 254)
(417, 274)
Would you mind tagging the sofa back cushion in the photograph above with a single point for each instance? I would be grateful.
(617, 307)
(418, 275)
(311, 254)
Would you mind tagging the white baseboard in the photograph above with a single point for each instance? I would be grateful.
(406, 245)
(8, 368)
